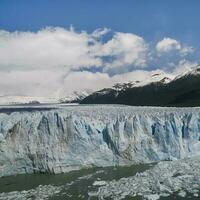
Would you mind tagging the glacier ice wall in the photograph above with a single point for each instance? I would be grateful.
(70, 138)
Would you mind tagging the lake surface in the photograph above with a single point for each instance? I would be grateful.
(73, 185)
(76, 184)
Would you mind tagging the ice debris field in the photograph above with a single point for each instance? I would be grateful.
(167, 177)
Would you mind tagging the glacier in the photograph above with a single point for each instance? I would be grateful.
(66, 138)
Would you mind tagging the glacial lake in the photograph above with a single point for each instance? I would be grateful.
(75, 185)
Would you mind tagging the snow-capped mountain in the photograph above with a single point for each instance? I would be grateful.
(120, 87)
(75, 97)
(9, 100)
(156, 77)
(159, 89)
(194, 71)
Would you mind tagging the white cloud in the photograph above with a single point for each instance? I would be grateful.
(42, 63)
(59, 47)
(183, 66)
(32, 83)
(127, 49)
(100, 32)
(48, 48)
(167, 45)
(186, 50)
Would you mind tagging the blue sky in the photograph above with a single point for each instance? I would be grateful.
(153, 19)
(97, 43)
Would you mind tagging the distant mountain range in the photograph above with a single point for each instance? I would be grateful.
(158, 90)
(74, 97)
(13, 100)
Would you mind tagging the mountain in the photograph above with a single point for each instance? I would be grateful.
(75, 97)
(9, 100)
(158, 90)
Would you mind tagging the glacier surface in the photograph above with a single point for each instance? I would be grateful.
(73, 137)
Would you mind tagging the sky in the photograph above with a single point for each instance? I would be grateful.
(51, 48)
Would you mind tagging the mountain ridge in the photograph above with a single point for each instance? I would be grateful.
(182, 90)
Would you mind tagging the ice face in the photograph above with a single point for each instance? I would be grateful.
(70, 138)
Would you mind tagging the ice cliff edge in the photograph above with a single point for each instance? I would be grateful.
(70, 138)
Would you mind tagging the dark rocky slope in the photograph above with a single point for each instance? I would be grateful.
(182, 91)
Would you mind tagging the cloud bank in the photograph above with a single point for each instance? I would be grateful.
(54, 62)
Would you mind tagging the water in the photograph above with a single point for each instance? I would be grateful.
(74, 185)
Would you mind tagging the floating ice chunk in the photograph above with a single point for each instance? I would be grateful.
(182, 193)
(152, 197)
(99, 183)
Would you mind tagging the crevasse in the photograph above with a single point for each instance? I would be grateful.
(71, 138)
